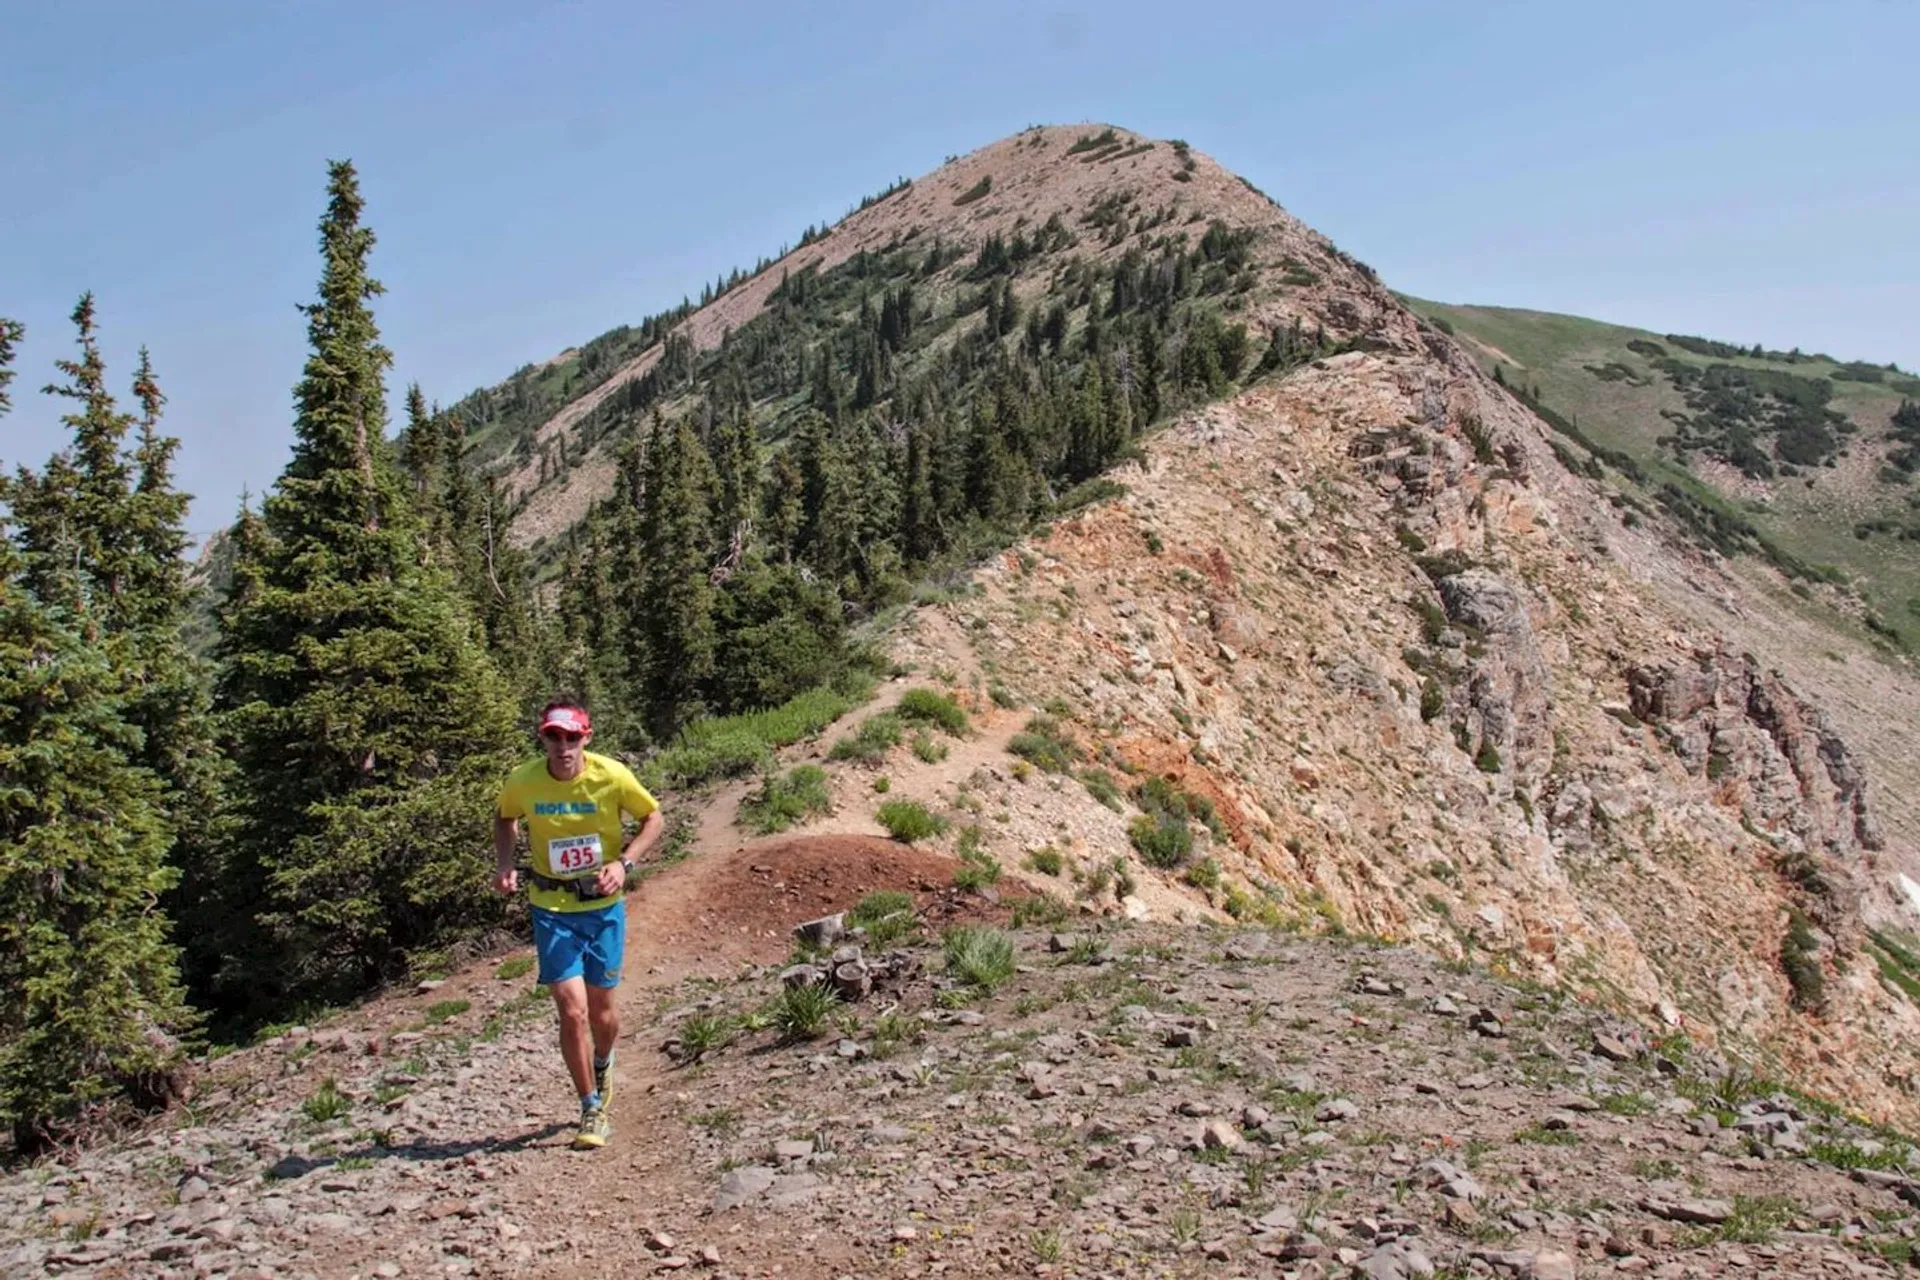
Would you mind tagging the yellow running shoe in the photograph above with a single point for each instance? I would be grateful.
(594, 1130)
(603, 1082)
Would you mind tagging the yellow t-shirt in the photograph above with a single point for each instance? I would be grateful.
(573, 827)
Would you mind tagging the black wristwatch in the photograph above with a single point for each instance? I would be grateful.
(628, 864)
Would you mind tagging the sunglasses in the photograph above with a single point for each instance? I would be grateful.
(561, 735)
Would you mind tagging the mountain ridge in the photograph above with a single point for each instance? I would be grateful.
(1500, 557)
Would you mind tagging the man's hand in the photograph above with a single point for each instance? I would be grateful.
(506, 834)
(612, 879)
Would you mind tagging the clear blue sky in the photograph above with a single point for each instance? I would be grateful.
(539, 173)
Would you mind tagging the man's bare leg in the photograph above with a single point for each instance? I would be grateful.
(604, 1015)
(571, 998)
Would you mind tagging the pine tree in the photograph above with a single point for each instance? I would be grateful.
(736, 463)
(169, 694)
(784, 502)
(673, 609)
(919, 518)
(11, 331)
(94, 1003)
(369, 723)
(421, 441)
(775, 635)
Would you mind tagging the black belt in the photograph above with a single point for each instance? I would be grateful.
(585, 888)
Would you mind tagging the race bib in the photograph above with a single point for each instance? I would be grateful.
(572, 855)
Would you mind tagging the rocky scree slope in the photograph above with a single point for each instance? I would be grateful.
(1124, 1100)
(1366, 614)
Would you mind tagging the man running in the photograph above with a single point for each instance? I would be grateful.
(571, 801)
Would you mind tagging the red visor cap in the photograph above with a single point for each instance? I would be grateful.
(570, 719)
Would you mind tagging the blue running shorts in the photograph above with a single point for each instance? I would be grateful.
(581, 944)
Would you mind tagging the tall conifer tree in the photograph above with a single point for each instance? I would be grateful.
(673, 610)
(94, 1005)
(369, 723)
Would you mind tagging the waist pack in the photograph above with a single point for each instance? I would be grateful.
(585, 888)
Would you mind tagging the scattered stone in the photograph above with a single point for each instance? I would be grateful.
(1220, 1134)
(1550, 1264)
(1336, 1109)
(823, 932)
(1398, 1260)
(741, 1185)
(1451, 1180)
(1697, 1212)
(1611, 1049)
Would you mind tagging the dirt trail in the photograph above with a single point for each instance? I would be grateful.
(711, 916)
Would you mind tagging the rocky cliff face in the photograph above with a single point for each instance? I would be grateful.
(1368, 612)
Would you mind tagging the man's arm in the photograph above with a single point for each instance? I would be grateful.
(646, 837)
(614, 877)
(506, 835)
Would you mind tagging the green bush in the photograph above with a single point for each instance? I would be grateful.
(886, 914)
(977, 873)
(979, 956)
(1042, 909)
(935, 708)
(978, 868)
(514, 967)
(927, 749)
(977, 191)
(1047, 861)
(733, 746)
(1044, 745)
(1100, 785)
(1163, 839)
(801, 1012)
(704, 1033)
(908, 820)
(1204, 874)
(1159, 795)
(785, 800)
(870, 743)
(442, 1010)
(327, 1102)
(1800, 958)
(1095, 142)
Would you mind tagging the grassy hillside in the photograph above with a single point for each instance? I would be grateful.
(1793, 456)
